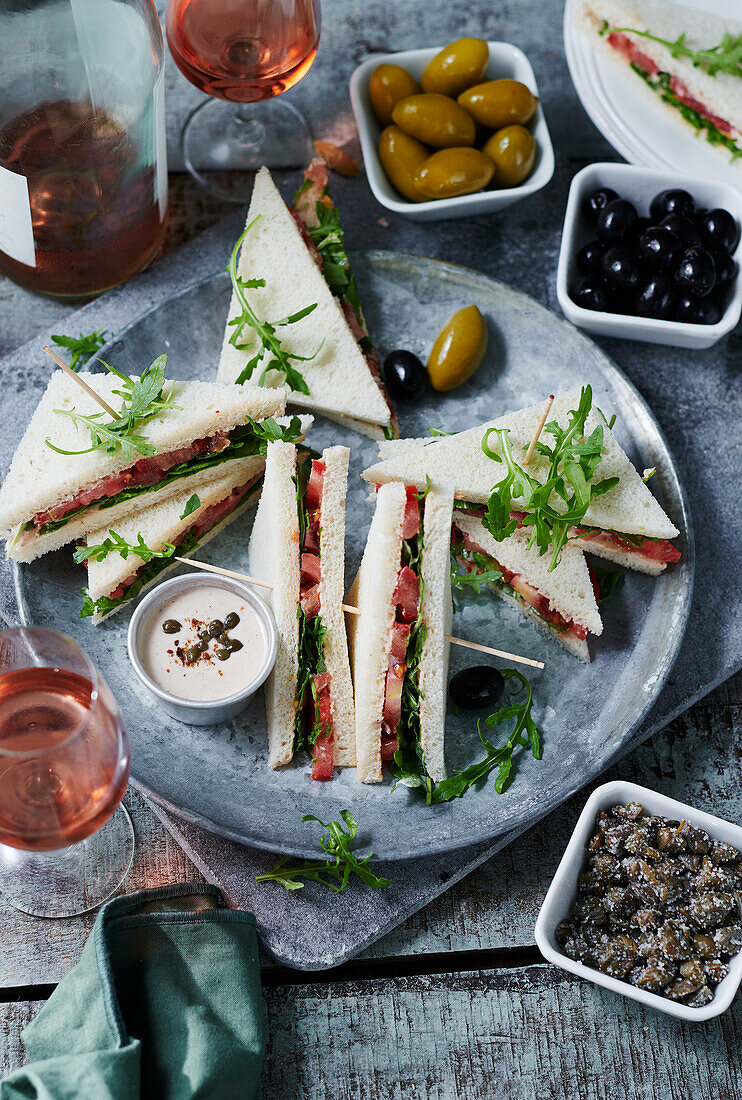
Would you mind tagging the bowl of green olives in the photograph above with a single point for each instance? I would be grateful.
(451, 132)
(651, 255)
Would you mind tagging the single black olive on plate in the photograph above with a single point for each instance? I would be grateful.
(589, 257)
(171, 626)
(672, 201)
(616, 221)
(620, 268)
(654, 298)
(597, 201)
(698, 311)
(231, 620)
(695, 273)
(477, 687)
(659, 246)
(684, 228)
(405, 375)
(719, 230)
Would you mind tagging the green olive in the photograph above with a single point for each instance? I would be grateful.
(459, 65)
(401, 156)
(216, 628)
(171, 626)
(458, 350)
(512, 151)
(499, 103)
(389, 84)
(452, 172)
(231, 620)
(435, 120)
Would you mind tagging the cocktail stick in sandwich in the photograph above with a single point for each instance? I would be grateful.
(298, 546)
(76, 471)
(562, 602)
(690, 59)
(399, 646)
(623, 523)
(295, 317)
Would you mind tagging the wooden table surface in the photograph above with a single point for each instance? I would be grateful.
(457, 1002)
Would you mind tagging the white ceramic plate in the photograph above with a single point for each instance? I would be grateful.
(622, 110)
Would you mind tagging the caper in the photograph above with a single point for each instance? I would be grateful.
(193, 653)
(231, 620)
(204, 636)
(216, 628)
(389, 84)
(224, 638)
(235, 644)
(222, 654)
(171, 626)
(458, 65)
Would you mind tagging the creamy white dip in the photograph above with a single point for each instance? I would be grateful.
(164, 656)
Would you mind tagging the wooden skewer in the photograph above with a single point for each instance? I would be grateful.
(539, 429)
(82, 383)
(515, 657)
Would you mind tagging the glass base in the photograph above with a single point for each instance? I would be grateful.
(73, 880)
(224, 143)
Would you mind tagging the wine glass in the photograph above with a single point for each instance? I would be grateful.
(66, 843)
(243, 52)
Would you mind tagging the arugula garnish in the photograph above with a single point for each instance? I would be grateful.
(524, 733)
(311, 636)
(726, 57)
(475, 579)
(608, 581)
(660, 83)
(115, 543)
(84, 346)
(142, 398)
(329, 239)
(572, 460)
(270, 353)
(334, 873)
(192, 504)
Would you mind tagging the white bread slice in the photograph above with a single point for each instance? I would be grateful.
(162, 523)
(437, 613)
(274, 557)
(340, 382)
(39, 478)
(568, 588)
(628, 507)
(370, 633)
(626, 558)
(331, 588)
(719, 93)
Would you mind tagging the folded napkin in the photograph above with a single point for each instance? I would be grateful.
(165, 1003)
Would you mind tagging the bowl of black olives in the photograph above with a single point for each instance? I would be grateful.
(648, 255)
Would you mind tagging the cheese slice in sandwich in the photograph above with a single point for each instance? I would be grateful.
(399, 641)
(561, 602)
(626, 524)
(300, 253)
(640, 34)
(298, 546)
(49, 499)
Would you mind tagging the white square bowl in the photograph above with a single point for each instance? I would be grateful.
(640, 185)
(563, 890)
(505, 61)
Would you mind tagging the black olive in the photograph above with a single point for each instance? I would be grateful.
(616, 221)
(589, 257)
(171, 626)
(222, 654)
(405, 376)
(620, 268)
(659, 246)
(597, 201)
(641, 225)
(698, 311)
(719, 230)
(725, 267)
(477, 687)
(695, 273)
(216, 628)
(590, 294)
(193, 653)
(654, 298)
(235, 644)
(673, 201)
(683, 228)
(231, 620)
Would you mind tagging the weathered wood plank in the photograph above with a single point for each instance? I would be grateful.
(13, 1019)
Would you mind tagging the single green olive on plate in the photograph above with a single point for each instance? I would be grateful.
(458, 350)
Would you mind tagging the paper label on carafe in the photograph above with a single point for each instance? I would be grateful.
(16, 229)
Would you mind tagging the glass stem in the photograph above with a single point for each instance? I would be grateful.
(246, 129)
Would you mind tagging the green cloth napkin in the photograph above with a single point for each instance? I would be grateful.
(165, 1003)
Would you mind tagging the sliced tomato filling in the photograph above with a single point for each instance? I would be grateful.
(626, 46)
(147, 471)
(323, 761)
(680, 90)
(520, 587)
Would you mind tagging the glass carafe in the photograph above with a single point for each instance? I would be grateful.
(83, 171)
